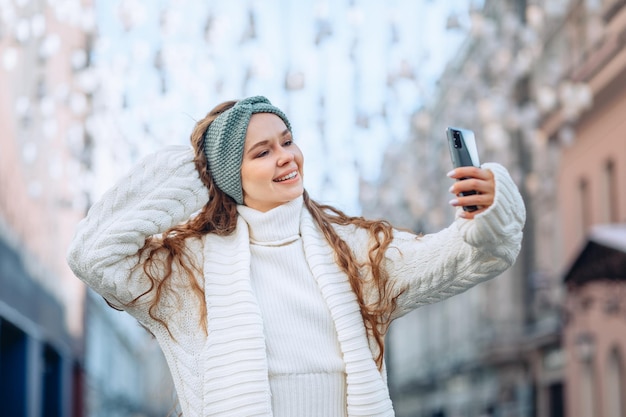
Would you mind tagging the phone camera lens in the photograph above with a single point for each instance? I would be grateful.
(456, 136)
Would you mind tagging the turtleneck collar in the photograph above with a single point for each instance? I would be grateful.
(275, 227)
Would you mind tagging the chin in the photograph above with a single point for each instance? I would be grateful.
(296, 194)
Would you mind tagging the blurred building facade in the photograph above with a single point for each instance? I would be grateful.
(41, 304)
(592, 213)
(49, 364)
(542, 84)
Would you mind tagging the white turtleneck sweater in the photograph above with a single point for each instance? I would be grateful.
(306, 369)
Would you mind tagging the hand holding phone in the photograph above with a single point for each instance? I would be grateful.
(463, 152)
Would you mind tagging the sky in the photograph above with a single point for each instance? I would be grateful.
(348, 73)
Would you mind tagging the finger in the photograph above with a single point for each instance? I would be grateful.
(471, 214)
(472, 184)
(470, 171)
(483, 201)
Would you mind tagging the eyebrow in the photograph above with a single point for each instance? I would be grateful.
(262, 143)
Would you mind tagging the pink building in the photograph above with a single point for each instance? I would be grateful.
(592, 214)
(42, 106)
(548, 339)
(58, 342)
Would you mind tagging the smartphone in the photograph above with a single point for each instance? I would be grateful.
(463, 152)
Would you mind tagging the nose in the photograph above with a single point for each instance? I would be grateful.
(285, 156)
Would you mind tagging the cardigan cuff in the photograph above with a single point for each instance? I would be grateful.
(503, 221)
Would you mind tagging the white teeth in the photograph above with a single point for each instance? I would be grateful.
(286, 177)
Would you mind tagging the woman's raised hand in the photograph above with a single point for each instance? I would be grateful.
(472, 179)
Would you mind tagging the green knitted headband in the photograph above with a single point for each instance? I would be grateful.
(224, 141)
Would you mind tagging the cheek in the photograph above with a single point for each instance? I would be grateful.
(253, 173)
(247, 177)
(300, 159)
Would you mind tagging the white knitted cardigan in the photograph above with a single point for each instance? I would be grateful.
(222, 370)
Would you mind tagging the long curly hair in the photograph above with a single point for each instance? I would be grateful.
(163, 253)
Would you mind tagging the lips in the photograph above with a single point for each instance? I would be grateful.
(289, 176)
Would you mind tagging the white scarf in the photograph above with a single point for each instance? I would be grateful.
(234, 361)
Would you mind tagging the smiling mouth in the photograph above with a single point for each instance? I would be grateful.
(287, 177)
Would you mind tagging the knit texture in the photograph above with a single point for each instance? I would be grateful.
(235, 349)
(224, 142)
(305, 363)
(224, 370)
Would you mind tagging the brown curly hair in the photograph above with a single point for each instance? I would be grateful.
(219, 216)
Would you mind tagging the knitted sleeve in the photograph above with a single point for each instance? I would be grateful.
(163, 190)
(436, 266)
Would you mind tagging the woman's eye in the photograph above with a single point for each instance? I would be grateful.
(287, 142)
(262, 154)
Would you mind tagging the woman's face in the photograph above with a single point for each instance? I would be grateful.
(272, 166)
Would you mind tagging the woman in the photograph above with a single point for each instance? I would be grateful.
(264, 301)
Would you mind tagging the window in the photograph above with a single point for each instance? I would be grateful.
(584, 206)
(13, 370)
(587, 395)
(615, 388)
(557, 408)
(610, 194)
(51, 383)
